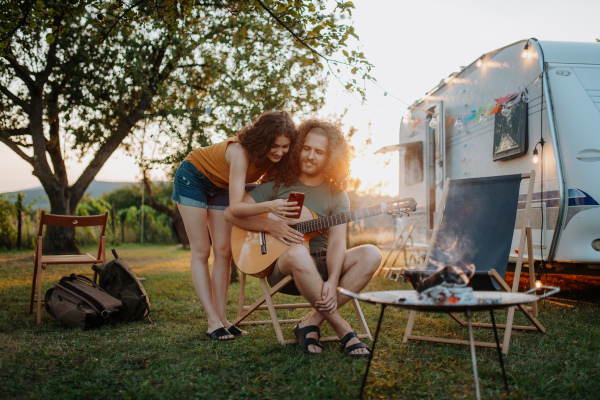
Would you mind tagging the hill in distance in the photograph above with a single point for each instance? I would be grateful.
(96, 189)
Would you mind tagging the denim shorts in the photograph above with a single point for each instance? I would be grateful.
(191, 188)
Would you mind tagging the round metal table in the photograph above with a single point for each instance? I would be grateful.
(482, 301)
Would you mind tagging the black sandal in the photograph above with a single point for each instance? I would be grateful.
(235, 331)
(217, 334)
(347, 350)
(303, 341)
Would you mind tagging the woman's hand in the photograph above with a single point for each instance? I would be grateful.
(282, 208)
(281, 230)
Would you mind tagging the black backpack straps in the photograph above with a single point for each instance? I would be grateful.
(115, 254)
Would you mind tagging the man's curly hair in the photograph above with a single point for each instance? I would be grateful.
(337, 168)
(257, 138)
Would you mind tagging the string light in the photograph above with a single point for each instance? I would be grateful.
(505, 111)
(538, 82)
(525, 96)
(433, 123)
(479, 62)
(536, 158)
(525, 52)
(482, 119)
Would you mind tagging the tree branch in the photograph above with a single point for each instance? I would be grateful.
(15, 99)
(15, 132)
(21, 71)
(15, 147)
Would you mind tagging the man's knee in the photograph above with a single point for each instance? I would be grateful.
(296, 259)
(369, 258)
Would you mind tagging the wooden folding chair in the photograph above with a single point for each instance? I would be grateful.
(42, 261)
(245, 310)
(400, 246)
(475, 224)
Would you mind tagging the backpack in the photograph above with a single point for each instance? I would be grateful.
(76, 301)
(117, 278)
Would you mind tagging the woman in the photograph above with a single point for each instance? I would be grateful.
(214, 177)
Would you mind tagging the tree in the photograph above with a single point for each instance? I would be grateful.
(79, 77)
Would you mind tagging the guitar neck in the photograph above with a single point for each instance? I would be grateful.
(318, 224)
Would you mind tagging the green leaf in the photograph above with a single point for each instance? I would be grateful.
(50, 38)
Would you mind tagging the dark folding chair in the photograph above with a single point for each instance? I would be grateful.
(475, 225)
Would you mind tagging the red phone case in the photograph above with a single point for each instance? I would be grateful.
(299, 198)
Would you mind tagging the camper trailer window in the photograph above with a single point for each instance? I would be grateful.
(413, 163)
(510, 132)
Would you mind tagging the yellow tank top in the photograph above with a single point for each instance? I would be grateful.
(210, 162)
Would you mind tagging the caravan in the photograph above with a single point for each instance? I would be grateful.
(532, 105)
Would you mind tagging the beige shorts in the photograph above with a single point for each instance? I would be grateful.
(320, 259)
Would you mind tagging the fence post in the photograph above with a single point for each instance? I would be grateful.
(19, 218)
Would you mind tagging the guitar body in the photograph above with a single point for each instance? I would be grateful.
(246, 247)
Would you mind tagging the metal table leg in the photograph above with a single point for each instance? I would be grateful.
(364, 382)
(499, 353)
(473, 359)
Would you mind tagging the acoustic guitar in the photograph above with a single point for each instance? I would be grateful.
(255, 253)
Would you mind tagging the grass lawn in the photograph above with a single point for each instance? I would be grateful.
(172, 358)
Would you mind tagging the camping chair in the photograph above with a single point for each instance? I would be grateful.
(244, 311)
(400, 246)
(41, 261)
(475, 224)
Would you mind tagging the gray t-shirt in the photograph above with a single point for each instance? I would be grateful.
(318, 199)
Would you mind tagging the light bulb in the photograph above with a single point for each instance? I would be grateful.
(482, 119)
(525, 52)
(433, 123)
(535, 157)
(525, 96)
(238, 124)
(538, 82)
(479, 62)
(538, 284)
(505, 111)
(286, 106)
(458, 124)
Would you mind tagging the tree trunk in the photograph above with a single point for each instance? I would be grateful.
(60, 239)
(175, 220)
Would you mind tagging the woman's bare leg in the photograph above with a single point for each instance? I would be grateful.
(220, 233)
(195, 221)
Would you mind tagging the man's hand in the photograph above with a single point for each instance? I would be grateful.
(281, 230)
(328, 302)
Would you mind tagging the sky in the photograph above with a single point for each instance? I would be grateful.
(413, 45)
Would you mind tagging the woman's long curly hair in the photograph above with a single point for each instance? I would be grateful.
(337, 168)
(257, 138)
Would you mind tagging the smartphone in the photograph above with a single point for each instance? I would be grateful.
(298, 197)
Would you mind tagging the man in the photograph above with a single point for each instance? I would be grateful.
(320, 169)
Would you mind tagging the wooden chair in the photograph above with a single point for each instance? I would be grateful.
(245, 310)
(42, 261)
(400, 245)
(475, 224)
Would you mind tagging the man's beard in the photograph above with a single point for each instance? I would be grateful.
(313, 171)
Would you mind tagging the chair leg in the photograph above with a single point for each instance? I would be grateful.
(361, 319)
(33, 282)
(39, 295)
(242, 297)
(272, 312)
(508, 330)
(409, 326)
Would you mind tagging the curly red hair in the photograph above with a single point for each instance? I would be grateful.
(337, 169)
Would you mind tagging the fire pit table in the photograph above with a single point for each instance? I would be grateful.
(481, 301)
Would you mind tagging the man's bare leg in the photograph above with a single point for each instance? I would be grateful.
(359, 266)
(297, 262)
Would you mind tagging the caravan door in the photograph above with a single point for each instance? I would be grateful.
(435, 150)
